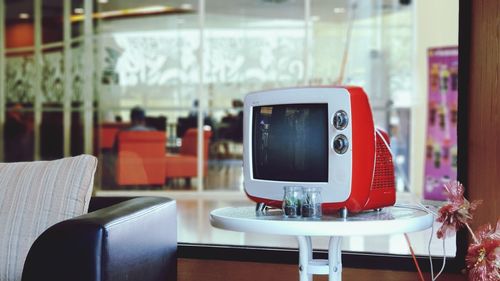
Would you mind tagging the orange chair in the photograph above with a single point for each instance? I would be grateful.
(107, 134)
(184, 164)
(141, 158)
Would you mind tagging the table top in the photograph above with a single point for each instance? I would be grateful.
(389, 220)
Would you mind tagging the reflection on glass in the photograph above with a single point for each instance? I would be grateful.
(290, 142)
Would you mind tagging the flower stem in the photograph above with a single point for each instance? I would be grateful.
(472, 233)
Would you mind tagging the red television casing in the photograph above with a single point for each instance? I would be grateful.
(372, 183)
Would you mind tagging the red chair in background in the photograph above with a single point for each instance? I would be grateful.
(184, 164)
(107, 134)
(141, 158)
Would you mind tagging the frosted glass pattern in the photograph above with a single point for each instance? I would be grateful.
(52, 78)
(20, 74)
(77, 73)
(154, 59)
(254, 56)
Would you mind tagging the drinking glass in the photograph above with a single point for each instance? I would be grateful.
(292, 201)
(311, 203)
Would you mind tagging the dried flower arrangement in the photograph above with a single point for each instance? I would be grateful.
(483, 254)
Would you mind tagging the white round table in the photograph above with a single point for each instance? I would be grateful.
(387, 221)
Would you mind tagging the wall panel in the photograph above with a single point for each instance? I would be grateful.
(484, 110)
(211, 270)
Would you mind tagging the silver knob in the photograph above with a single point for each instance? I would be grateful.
(340, 144)
(340, 120)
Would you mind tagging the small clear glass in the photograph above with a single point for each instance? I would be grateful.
(292, 201)
(311, 203)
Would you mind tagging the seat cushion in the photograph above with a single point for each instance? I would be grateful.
(180, 166)
(140, 158)
(35, 196)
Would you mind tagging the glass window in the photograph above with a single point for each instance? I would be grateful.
(187, 68)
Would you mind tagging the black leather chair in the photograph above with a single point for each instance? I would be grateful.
(133, 239)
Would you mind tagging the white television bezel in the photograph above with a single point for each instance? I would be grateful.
(338, 186)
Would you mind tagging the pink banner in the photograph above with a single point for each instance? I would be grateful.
(441, 141)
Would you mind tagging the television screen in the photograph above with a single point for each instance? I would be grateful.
(290, 142)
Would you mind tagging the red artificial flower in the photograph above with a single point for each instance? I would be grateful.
(483, 255)
(457, 212)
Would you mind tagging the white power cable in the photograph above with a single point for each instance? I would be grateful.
(420, 206)
(434, 278)
(444, 260)
(426, 209)
(429, 250)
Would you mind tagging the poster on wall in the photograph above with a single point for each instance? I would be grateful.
(441, 141)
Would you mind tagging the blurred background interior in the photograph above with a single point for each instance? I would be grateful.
(73, 70)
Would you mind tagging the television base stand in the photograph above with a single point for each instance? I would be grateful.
(343, 213)
(260, 208)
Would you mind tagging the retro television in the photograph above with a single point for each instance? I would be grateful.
(316, 136)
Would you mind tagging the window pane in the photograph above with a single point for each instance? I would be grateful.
(191, 76)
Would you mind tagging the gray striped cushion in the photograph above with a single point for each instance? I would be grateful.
(33, 197)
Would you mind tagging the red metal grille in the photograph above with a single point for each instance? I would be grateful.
(384, 168)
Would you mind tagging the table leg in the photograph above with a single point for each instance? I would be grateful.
(305, 256)
(335, 258)
(310, 247)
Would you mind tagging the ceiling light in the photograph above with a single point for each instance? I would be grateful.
(315, 18)
(339, 10)
(103, 1)
(186, 6)
(150, 10)
(24, 16)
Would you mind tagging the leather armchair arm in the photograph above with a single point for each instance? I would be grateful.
(132, 240)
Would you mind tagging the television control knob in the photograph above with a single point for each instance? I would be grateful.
(340, 144)
(340, 120)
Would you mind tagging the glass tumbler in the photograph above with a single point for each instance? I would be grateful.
(292, 201)
(311, 203)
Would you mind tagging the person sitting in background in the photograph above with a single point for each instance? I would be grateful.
(137, 123)
(191, 121)
(138, 120)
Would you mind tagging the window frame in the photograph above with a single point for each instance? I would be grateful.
(369, 260)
